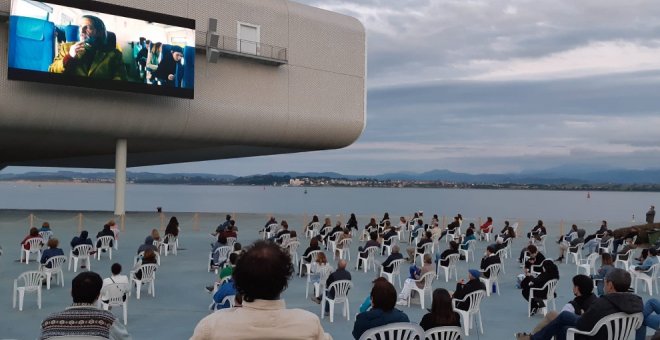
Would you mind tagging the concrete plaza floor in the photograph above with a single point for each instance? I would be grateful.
(181, 300)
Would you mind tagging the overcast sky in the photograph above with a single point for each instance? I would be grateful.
(488, 86)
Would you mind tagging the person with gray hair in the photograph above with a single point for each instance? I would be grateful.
(396, 255)
(617, 299)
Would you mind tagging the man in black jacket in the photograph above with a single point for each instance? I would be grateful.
(616, 300)
(340, 274)
(396, 255)
(463, 289)
(488, 260)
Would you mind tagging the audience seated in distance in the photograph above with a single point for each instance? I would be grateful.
(263, 313)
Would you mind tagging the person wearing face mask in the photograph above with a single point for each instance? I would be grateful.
(170, 70)
(94, 56)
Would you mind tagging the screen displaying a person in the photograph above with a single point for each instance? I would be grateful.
(94, 56)
(170, 69)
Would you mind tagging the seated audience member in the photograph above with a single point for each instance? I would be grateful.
(442, 312)
(149, 257)
(89, 320)
(222, 226)
(317, 266)
(352, 222)
(346, 234)
(114, 229)
(283, 231)
(538, 231)
(416, 274)
(226, 289)
(599, 233)
(104, 232)
(396, 255)
(569, 235)
(535, 258)
(315, 219)
(627, 238)
(78, 240)
(230, 231)
(593, 244)
(442, 258)
(572, 244)
(238, 248)
(383, 311)
(116, 277)
(293, 236)
(373, 242)
(549, 272)
(451, 227)
(417, 228)
(464, 288)
(402, 223)
(607, 264)
(45, 227)
(366, 304)
(172, 228)
(420, 246)
(506, 233)
(263, 313)
(313, 245)
(52, 250)
(486, 227)
(155, 235)
(489, 259)
(469, 236)
(386, 217)
(340, 274)
(226, 271)
(651, 313)
(645, 267)
(584, 297)
(34, 233)
(389, 233)
(147, 245)
(325, 228)
(616, 300)
(330, 236)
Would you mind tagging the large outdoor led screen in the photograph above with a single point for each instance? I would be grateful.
(92, 44)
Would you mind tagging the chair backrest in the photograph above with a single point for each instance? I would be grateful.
(475, 300)
(313, 254)
(140, 255)
(494, 270)
(223, 252)
(427, 278)
(536, 268)
(31, 279)
(452, 259)
(171, 239)
(285, 238)
(394, 331)
(231, 241)
(229, 298)
(501, 253)
(371, 251)
(83, 250)
(345, 243)
(35, 243)
(105, 241)
(324, 272)
(396, 264)
(428, 248)
(592, 258)
(626, 256)
(653, 271)
(336, 234)
(470, 244)
(391, 239)
(148, 271)
(341, 288)
(46, 235)
(55, 262)
(620, 326)
(315, 226)
(272, 227)
(443, 333)
(551, 286)
(115, 293)
(293, 246)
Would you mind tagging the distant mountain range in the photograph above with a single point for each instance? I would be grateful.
(555, 176)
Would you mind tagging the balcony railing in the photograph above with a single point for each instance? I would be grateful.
(234, 47)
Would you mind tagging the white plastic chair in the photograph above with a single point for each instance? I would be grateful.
(231, 299)
(486, 234)
(324, 272)
(292, 246)
(105, 245)
(540, 243)
(515, 228)
(396, 271)
(83, 251)
(443, 333)
(369, 260)
(451, 265)
(509, 247)
(493, 278)
(116, 295)
(620, 326)
(427, 279)
(56, 263)
(650, 277)
(577, 255)
(344, 249)
(502, 254)
(427, 249)
(270, 230)
(588, 264)
(387, 249)
(394, 331)
(284, 239)
(332, 241)
(170, 245)
(468, 316)
(46, 235)
(313, 230)
(116, 242)
(31, 283)
(551, 287)
(312, 255)
(140, 255)
(148, 277)
(466, 252)
(231, 241)
(608, 246)
(625, 263)
(223, 255)
(35, 248)
(340, 288)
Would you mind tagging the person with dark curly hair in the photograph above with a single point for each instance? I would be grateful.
(260, 277)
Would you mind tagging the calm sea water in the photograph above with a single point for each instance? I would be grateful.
(616, 207)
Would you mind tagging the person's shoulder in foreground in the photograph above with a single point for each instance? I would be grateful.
(263, 314)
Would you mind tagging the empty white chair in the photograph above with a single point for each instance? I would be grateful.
(474, 310)
(169, 244)
(451, 259)
(307, 265)
(650, 277)
(344, 249)
(148, 278)
(624, 260)
(620, 326)
(443, 333)
(105, 245)
(31, 283)
(466, 252)
(588, 264)
(427, 280)
(369, 260)
(396, 271)
(551, 286)
(340, 288)
(493, 278)
(35, 248)
(55, 263)
(115, 295)
(394, 331)
(83, 251)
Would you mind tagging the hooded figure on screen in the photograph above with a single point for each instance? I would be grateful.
(94, 56)
(170, 69)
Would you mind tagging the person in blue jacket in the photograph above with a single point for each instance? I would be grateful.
(383, 300)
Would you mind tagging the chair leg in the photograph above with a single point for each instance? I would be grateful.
(332, 311)
(481, 326)
(75, 264)
(153, 288)
(125, 311)
(48, 276)
(39, 297)
(323, 306)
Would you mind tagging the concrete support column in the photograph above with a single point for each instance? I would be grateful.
(120, 177)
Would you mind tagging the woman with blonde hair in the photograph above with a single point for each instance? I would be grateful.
(155, 234)
(318, 267)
